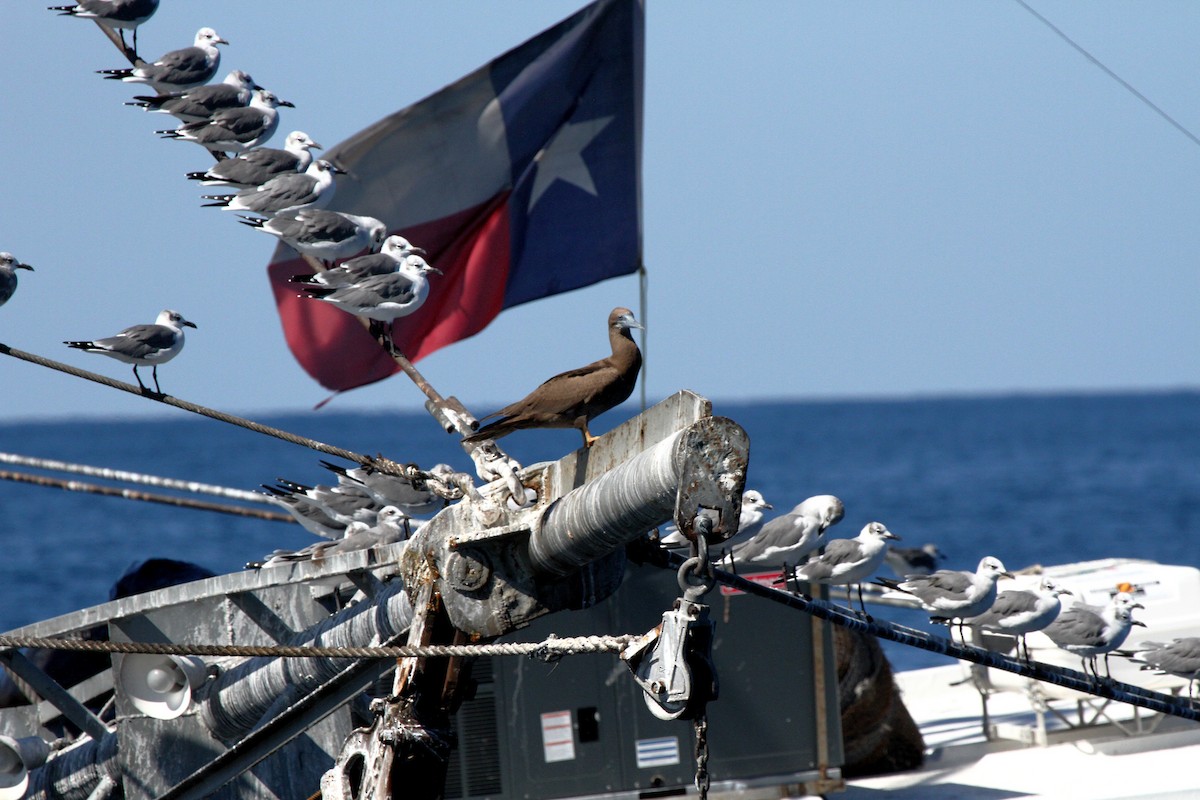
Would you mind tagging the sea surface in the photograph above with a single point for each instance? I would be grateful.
(1029, 479)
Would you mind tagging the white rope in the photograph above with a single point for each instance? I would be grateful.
(135, 477)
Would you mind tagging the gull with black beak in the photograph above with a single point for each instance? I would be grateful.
(953, 594)
(143, 345)
(255, 167)
(312, 188)
(177, 70)
(848, 561)
(234, 130)
(8, 276)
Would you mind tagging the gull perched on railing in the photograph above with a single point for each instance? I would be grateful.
(291, 191)
(848, 561)
(953, 594)
(1017, 612)
(323, 235)
(234, 130)
(1092, 631)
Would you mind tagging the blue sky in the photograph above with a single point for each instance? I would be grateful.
(841, 199)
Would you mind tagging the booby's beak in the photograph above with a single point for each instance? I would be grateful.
(627, 321)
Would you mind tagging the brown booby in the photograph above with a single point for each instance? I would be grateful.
(571, 399)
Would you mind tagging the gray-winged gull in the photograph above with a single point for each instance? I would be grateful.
(256, 167)
(413, 498)
(8, 276)
(1091, 631)
(312, 188)
(390, 258)
(201, 102)
(954, 594)
(344, 504)
(381, 298)
(572, 399)
(905, 561)
(234, 130)
(750, 519)
(1017, 612)
(177, 70)
(324, 235)
(788, 538)
(1178, 657)
(116, 15)
(143, 345)
(848, 561)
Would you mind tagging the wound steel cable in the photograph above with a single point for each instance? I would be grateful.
(380, 464)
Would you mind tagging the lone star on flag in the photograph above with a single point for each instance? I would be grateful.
(562, 158)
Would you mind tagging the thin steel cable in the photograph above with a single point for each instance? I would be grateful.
(146, 497)
(134, 477)
(381, 464)
(1100, 64)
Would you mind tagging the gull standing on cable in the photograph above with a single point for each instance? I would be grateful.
(749, 522)
(291, 192)
(177, 70)
(1017, 612)
(1091, 631)
(201, 102)
(234, 130)
(116, 15)
(1179, 657)
(953, 594)
(8, 276)
(344, 504)
(848, 561)
(412, 496)
(787, 539)
(255, 167)
(389, 259)
(323, 235)
(143, 345)
(381, 298)
(574, 398)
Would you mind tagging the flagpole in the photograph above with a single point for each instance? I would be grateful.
(643, 302)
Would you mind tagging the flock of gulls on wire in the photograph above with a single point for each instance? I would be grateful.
(797, 544)
(283, 192)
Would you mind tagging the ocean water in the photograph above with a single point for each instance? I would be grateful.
(1030, 479)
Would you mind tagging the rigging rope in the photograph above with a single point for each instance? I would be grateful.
(134, 477)
(552, 647)
(381, 464)
(148, 497)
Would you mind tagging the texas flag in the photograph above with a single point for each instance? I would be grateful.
(520, 180)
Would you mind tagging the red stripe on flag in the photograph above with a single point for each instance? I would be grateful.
(472, 249)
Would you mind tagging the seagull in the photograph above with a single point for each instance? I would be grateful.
(256, 167)
(321, 234)
(116, 15)
(143, 345)
(358, 536)
(1090, 631)
(1017, 612)
(572, 399)
(234, 129)
(290, 192)
(953, 594)
(905, 561)
(790, 537)
(311, 516)
(749, 522)
(1178, 657)
(381, 298)
(389, 259)
(177, 70)
(343, 504)
(8, 275)
(200, 103)
(414, 498)
(847, 561)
